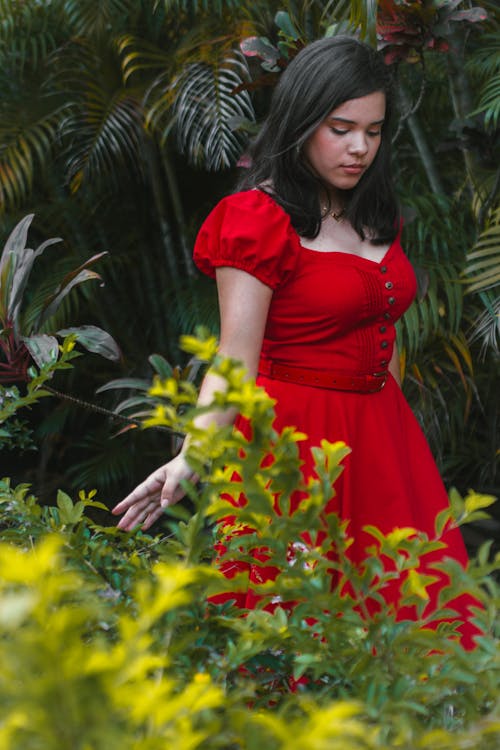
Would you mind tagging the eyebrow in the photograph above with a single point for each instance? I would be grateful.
(353, 122)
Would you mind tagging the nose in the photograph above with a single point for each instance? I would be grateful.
(358, 143)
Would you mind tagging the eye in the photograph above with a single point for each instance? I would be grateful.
(337, 131)
(374, 133)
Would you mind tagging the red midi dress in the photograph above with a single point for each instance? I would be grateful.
(334, 311)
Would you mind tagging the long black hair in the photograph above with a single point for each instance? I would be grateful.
(319, 79)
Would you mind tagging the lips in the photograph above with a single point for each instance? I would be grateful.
(353, 168)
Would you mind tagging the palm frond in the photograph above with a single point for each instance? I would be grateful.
(334, 14)
(102, 136)
(438, 230)
(486, 64)
(88, 18)
(28, 32)
(364, 16)
(138, 55)
(197, 6)
(489, 102)
(483, 262)
(206, 104)
(439, 309)
(486, 327)
(22, 152)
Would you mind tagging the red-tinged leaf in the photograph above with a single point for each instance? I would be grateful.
(439, 45)
(257, 46)
(395, 55)
(392, 28)
(474, 15)
(69, 282)
(77, 276)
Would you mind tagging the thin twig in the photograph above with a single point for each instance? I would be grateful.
(107, 412)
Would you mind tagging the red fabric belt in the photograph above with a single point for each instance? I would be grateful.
(323, 378)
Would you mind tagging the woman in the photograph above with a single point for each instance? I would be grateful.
(311, 279)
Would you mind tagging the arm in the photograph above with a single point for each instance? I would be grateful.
(394, 366)
(244, 304)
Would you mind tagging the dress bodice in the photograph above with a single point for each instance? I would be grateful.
(339, 310)
(329, 310)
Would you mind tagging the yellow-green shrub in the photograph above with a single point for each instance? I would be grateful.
(107, 638)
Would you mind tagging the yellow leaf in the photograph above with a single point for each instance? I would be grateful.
(417, 584)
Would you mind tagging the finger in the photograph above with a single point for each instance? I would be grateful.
(149, 487)
(138, 512)
(173, 491)
(152, 517)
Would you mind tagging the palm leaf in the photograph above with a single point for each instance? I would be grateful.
(28, 32)
(21, 154)
(204, 106)
(195, 6)
(102, 135)
(489, 102)
(364, 16)
(486, 64)
(486, 327)
(138, 56)
(482, 268)
(439, 309)
(88, 18)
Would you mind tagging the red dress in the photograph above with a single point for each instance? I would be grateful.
(335, 311)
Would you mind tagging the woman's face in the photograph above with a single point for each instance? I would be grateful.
(345, 144)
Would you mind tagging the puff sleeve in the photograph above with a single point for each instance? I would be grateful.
(251, 232)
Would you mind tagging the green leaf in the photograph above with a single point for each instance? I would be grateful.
(123, 383)
(160, 366)
(285, 25)
(95, 340)
(43, 348)
(69, 514)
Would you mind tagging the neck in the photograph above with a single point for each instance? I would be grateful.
(332, 205)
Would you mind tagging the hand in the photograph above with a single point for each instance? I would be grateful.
(161, 488)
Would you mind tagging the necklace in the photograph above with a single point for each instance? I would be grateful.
(337, 215)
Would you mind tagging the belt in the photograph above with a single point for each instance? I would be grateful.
(323, 378)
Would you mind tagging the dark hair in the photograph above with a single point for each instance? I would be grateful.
(319, 79)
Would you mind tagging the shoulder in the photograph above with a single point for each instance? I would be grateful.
(254, 200)
(250, 231)
(249, 213)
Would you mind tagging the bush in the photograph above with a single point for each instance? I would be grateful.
(112, 639)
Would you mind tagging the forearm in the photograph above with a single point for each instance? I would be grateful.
(244, 302)
(211, 385)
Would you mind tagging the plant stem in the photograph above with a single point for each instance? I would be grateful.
(421, 143)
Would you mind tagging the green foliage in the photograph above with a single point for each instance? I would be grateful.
(17, 433)
(22, 336)
(486, 63)
(11, 398)
(110, 640)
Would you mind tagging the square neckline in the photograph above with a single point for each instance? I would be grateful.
(328, 253)
(347, 254)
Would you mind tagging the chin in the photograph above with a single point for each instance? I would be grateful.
(345, 184)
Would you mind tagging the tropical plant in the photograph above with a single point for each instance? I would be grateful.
(21, 338)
